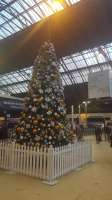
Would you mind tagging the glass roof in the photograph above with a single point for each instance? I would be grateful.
(74, 69)
(16, 15)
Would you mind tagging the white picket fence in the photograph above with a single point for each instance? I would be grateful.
(46, 164)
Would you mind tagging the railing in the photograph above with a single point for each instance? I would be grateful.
(46, 164)
(89, 131)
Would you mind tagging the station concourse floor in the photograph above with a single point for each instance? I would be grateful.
(93, 182)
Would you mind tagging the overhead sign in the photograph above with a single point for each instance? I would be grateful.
(100, 84)
(7, 104)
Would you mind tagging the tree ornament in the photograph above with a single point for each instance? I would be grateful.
(46, 136)
(49, 112)
(34, 109)
(21, 137)
(56, 114)
(54, 64)
(50, 137)
(41, 91)
(37, 138)
(44, 125)
(22, 129)
(35, 122)
(52, 123)
(22, 123)
(57, 127)
(29, 117)
(18, 129)
(28, 126)
(49, 142)
(23, 115)
(47, 99)
(34, 131)
(61, 125)
(35, 99)
(40, 99)
(45, 141)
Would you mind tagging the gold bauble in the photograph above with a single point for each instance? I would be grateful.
(34, 131)
(22, 130)
(35, 122)
(18, 129)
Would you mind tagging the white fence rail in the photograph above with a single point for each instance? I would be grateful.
(46, 164)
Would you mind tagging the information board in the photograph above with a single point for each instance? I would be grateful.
(100, 84)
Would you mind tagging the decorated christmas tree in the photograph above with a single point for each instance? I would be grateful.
(43, 123)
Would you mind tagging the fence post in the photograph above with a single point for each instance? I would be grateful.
(92, 152)
(50, 167)
(12, 157)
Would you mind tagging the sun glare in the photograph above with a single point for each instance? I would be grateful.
(56, 4)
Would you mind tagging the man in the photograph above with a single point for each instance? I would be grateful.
(98, 133)
(106, 132)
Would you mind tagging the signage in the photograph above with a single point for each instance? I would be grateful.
(6, 104)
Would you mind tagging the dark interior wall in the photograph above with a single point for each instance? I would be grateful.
(74, 95)
(84, 25)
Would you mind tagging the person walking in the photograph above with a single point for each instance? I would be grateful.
(111, 137)
(101, 127)
(106, 132)
(78, 132)
(98, 133)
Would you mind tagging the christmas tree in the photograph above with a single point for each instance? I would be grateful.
(43, 123)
